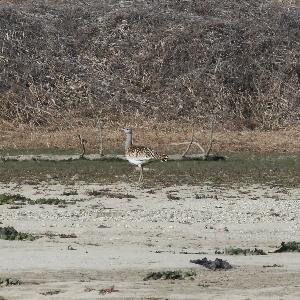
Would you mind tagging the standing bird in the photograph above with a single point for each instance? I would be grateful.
(140, 155)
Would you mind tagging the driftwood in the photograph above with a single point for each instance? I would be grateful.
(95, 157)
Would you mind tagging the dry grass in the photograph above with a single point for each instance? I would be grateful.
(64, 61)
(158, 135)
(290, 2)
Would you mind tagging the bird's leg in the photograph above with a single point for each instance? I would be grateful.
(142, 168)
(141, 173)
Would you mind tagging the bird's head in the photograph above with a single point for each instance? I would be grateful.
(127, 130)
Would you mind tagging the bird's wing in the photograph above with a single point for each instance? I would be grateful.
(141, 151)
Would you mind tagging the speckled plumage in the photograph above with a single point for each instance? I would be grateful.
(140, 155)
(145, 153)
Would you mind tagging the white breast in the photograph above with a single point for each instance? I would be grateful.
(138, 160)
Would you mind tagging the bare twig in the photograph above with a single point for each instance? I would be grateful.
(209, 145)
(190, 144)
(82, 144)
(186, 143)
(205, 153)
(297, 69)
(99, 126)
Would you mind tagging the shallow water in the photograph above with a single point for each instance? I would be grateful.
(238, 167)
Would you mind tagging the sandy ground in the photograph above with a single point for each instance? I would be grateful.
(120, 239)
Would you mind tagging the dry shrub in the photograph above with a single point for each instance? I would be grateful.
(162, 60)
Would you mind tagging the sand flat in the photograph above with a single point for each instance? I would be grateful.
(125, 231)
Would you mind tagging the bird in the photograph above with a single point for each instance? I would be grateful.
(140, 155)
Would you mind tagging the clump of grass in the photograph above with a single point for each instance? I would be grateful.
(68, 236)
(7, 281)
(204, 285)
(16, 199)
(70, 193)
(169, 275)
(100, 193)
(10, 233)
(14, 207)
(216, 264)
(273, 266)
(172, 197)
(49, 201)
(108, 290)
(240, 251)
(198, 196)
(207, 196)
(289, 247)
(150, 192)
(11, 199)
(107, 193)
(51, 292)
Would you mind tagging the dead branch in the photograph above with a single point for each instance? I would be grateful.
(99, 127)
(209, 145)
(82, 144)
(190, 144)
(205, 153)
(187, 143)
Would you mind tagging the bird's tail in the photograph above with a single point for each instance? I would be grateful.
(163, 157)
(157, 155)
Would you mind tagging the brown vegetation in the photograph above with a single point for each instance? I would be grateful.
(160, 138)
(65, 63)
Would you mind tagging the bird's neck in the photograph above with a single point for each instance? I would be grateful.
(128, 142)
